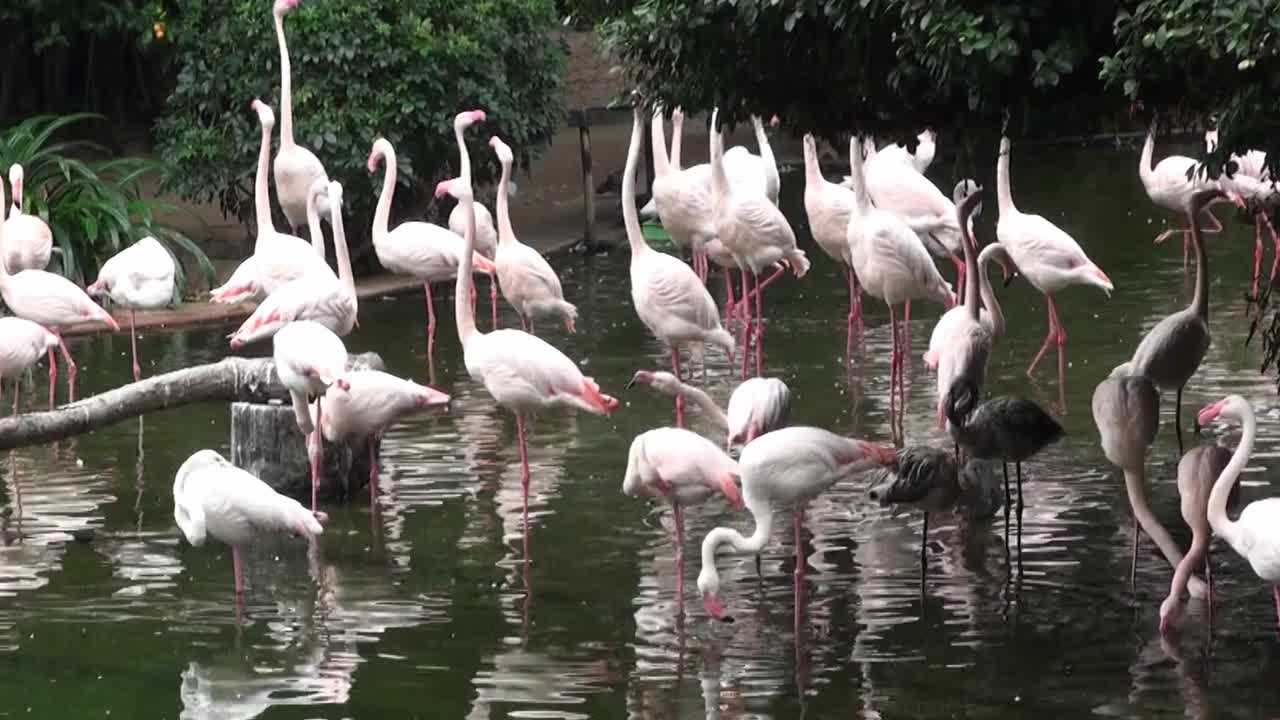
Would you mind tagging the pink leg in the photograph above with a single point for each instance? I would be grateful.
(235, 563)
(317, 453)
(71, 370)
(760, 326)
(133, 343)
(675, 367)
(906, 340)
(1186, 252)
(1049, 338)
(960, 278)
(746, 325)
(728, 293)
(1257, 254)
(493, 299)
(1275, 590)
(1275, 241)
(853, 314)
(17, 393)
(524, 470)
(431, 319)
(473, 300)
(679, 518)
(1062, 344)
(373, 471)
(800, 563)
(893, 364)
(53, 377)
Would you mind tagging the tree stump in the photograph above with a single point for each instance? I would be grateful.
(266, 441)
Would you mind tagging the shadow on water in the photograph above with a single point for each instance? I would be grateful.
(425, 605)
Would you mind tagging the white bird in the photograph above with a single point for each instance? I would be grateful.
(309, 359)
(991, 315)
(371, 401)
(1170, 184)
(422, 250)
(668, 296)
(53, 302)
(785, 469)
(522, 372)
(140, 277)
(486, 243)
(296, 168)
(1047, 257)
(681, 198)
(28, 240)
(1254, 536)
(22, 342)
(213, 497)
(756, 407)
(328, 300)
(682, 468)
(1251, 187)
(890, 262)
(527, 280)
(277, 258)
(829, 207)
(758, 235)
(921, 159)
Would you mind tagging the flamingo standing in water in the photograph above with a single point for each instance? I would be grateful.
(138, 277)
(682, 468)
(1047, 257)
(757, 406)
(368, 404)
(527, 280)
(786, 468)
(1251, 187)
(53, 302)
(28, 240)
(523, 373)
(422, 250)
(891, 263)
(829, 207)
(296, 168)
(1170, 184)
(22, 342)
(758, 235)
(213, 497)
(921, 159)
(309, 359)
(1254, 536)
(277, 257)
(681, 198)
(486, 245)
(668, 296)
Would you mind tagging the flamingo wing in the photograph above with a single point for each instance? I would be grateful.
(670, 298)
(1033, 240)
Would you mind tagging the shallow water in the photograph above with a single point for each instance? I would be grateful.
(425, 609)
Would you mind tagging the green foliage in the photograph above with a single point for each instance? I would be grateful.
(396, 68)
(94, 207)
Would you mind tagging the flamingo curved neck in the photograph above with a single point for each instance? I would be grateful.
(506, 235)
(345, 275)
(1194, 559)
(261, 195)
(313, 226)
(661, 166)
(812, 170)
(762, 513)
(464, 155)
(1222, 525)
(1135, 485)
(989, 299)
(719, 180)
(464, 283)
(708, 405)
(766, 150)
(677, 133)
(973, 280)
(1146, 170)
(286, 86)
(861, 203)
(630, 217)
(1003, 192)
(1199, 301)
(382, 214)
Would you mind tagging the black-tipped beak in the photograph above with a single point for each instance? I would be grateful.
(631, 383)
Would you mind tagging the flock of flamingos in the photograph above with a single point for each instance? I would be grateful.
(884, 227)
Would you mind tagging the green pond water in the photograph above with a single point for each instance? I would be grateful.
(426, 609)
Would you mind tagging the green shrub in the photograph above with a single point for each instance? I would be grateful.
(94, 206)
(395, 68)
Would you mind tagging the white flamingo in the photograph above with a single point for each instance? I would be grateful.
(422, 250)
(213, 497)
(309, 359)
(756, 407)
(828, 207)
(277, 257)
(681, 198)
(527, 280)
(1170, 184)
(53, 302)
(1047, 257)
(921, 159)
(296, 168)
(140, 277)
(991, 315)
(522, 372)
(1252, 187)
(486, 245)
(22, 342)
(328, 300)
(28, 240)
(1254, 536)
(786, 468)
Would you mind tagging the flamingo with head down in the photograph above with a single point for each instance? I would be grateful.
(309, 359)
(139, 277)
(757, 406)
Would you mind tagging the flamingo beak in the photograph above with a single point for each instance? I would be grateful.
(442, 188)
(1209, 413)
(435, 397)
(731, 491)
(714, 607)
(882, 454)
(643, 377)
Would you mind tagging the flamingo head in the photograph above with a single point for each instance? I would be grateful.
(381, 149)
(467, 118)
(502, 150)
(660, 380)
(729, 486)
(454, 187)
(15, 179)
(882, 455)
(774, 121)
(677, 115)
(266, 117)
(1169, 610)
(429, 397)
(709, 585)
(1005, 146)
(1223, 408)
(283, 6)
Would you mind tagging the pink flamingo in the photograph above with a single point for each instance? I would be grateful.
(29, 240)
(309, 359)
(486, 245)
(1170, 184)
(53, 302)
(138, 277)
(22, 342)
(522, 372)
(757, 406)
(829, 207)
(295, 168)
(1251, 187)
(213, 497)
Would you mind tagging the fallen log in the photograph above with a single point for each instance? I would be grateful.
(234, 379)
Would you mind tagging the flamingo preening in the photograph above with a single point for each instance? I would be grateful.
(140, 277)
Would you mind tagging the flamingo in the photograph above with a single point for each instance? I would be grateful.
(681, 198)
(829, 207)
(368, 404)
(1047, 257)
(921, 159)
(277, 258)
(1126, 411)
(1172, 352)
(966, 337)
(53, 302)
(1008, 429)
(527, 280)
(296, 168)
(1197, 471)
(1253, 536)
(523, 373)
(668, 296)
(29, 241)
(140, 276)
(22, 342)
(213, 497)
(758, 235)
(423, 250)
(1252, 187)
(1170, 184)
(486, 245)
(684, 469)
(786, 468)
(991, 314)
(890, 261)
(328, 300)
(756, 407)
(309, 359)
